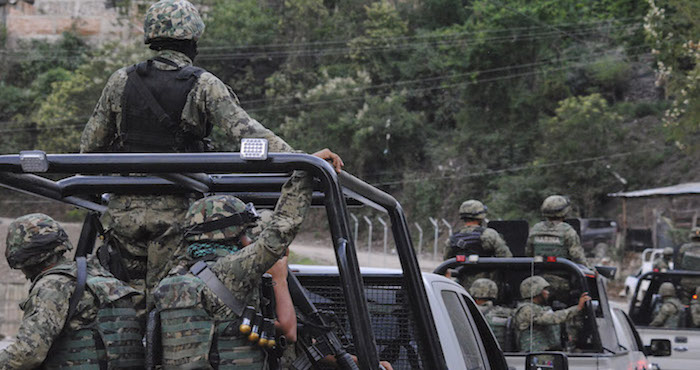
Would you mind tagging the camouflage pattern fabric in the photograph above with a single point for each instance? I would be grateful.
(33, 239)
(497, 318)
(669, 314)
(215, 208)
(241, 272)
(544, 323)
(147, 231)
(689, 256)
(571, 243)
(172, 19)
(209, 101)
(695, 308)
(491, 242)
(46, 311)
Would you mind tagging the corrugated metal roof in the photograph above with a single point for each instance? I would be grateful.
(680, 189)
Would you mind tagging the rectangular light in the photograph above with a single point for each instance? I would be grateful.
(254, 149)
(33, 161)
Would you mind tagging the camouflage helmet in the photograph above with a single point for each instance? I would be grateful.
(694, 233)
(172, 19)
(667, 290)
(33, 239)
(668, 251)
(483, 289)
(473, 209)
(218, 218)
(555, 206)
(533, 286)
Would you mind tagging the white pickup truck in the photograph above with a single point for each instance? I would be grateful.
(643, 307)
(606, 340)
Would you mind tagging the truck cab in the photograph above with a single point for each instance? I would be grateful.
(644, 305)
(602, 340)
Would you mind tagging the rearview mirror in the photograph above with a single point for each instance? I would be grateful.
(607, 271)
(546, 361)
(658, 348)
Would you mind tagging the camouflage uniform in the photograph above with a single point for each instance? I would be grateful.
(491, 241)
(240, 272)
(662, 264)
(44, 335)
(670, 313)
(689, 259)
(537, 326)
(141, 225)
(556, 233)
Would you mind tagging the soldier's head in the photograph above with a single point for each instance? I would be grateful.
(483, 290)
(35, 242)
(555, 207)
(668, 253)
(667, 290)
(472, 210)
(173, 25)
(218, 222)
(535, 287)
(695, 233)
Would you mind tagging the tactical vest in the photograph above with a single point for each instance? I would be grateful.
(467, 243)
(152, 105)
(190, 336)
(497, 318)
(548, 243)
(544, 337)
(695, 313)
(674, 320)
(113, 340)
(691, 258)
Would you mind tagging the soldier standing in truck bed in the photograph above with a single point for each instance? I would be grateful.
(554, 237)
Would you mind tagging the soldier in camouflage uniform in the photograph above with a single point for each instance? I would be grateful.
(554, 237)
(485, 291)
(689, 259)
(537, 325)
(195, 320)
(670, 313)
(97, 329)
(695, 308)
(162, 105)
(662, 263)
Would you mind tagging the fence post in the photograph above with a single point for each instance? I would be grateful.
(449, 227)
(369, 239)
(437, 234)
(420, 238)
(357, 227)
(386, 230)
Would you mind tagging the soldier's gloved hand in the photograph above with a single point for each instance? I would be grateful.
(335, 159)
(582, 300)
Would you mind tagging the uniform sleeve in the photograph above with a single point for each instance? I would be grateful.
(448, 250)
(101, 129)
(495, 243)
(220, 106)
(528, 246)
(667, 310)
(45, 313)
(252, 261)
(573, 242)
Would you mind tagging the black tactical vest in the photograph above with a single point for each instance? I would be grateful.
(467, 243)
(152, 106)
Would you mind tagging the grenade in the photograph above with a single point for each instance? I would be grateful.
(256, 328)
(247, 321)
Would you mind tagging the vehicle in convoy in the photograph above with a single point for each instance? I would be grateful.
(648, 257)
(604, 340)
(645, 304)
(369, 323)
(597, 235)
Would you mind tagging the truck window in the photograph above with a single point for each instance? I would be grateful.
(464, 330)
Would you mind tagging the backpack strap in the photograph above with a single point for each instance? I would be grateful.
(79, 288)
(202, 271)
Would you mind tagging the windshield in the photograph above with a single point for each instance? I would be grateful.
(667, 300)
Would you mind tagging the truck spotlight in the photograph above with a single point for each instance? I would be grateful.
(33, 161)
(254, 149)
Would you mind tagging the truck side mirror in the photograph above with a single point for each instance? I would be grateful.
(546, 361)
(659, 348)
(607, 271)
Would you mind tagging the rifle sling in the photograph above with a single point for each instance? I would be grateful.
(202, 271)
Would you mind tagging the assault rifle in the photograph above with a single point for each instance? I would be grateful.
(326, 342)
